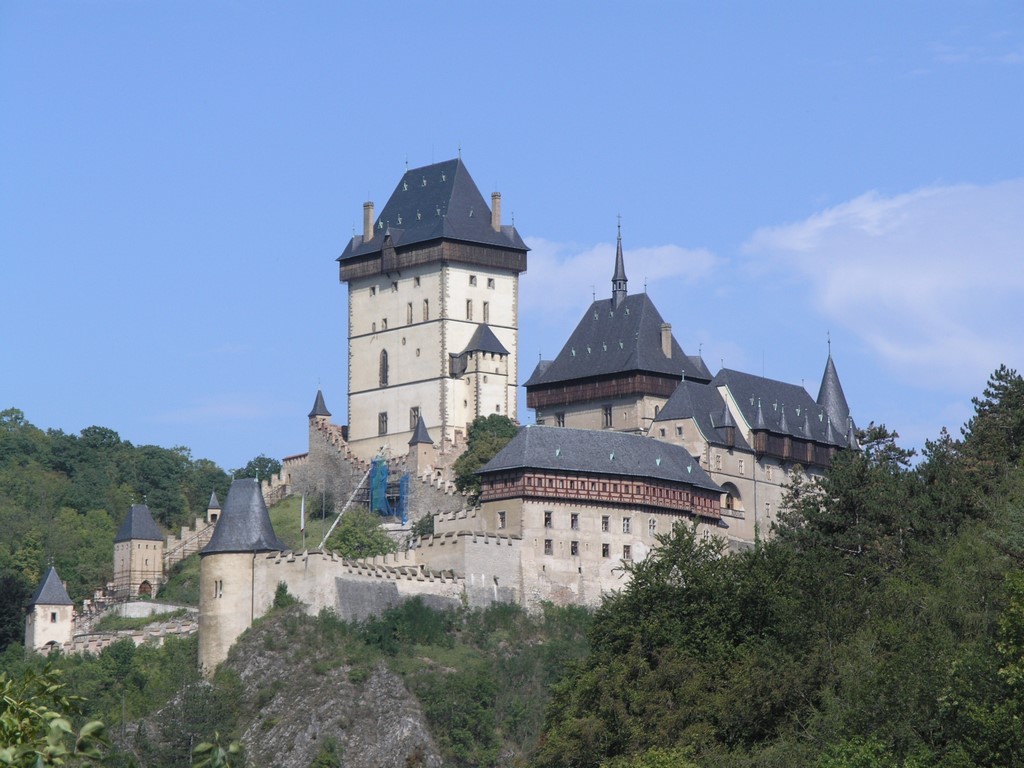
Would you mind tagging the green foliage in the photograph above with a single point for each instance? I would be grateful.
(422, 528)
(410, 623)
(210, 754)
(36, 722)
(487, 435)
(262, 467)
(282, 599)
(359, 534)
(114, 623)
(182, 585)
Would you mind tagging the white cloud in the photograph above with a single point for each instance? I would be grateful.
(931, 280)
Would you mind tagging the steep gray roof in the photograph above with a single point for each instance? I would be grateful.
(703, 404)
(244, 523)
(432, 202)
(610, 340)
(484, 340)
(781, 408)
(319, 407)
(831, 397)
(138, 525)
(214, 501)
(605, 452)
(51, 591)
(420, 435)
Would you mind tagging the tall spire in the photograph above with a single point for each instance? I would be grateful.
(619, 278)
(830, 394)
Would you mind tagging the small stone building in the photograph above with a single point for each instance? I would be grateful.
(138, 555)
(51, 620)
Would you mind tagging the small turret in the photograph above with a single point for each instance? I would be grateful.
(213, 508)
(830, 394)
(50, 621)
(319, 408)
(619, 278)
(138, 554)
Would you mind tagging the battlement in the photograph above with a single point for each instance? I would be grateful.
(94, 642)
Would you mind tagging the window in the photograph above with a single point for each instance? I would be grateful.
(679, 431)
(414, 416)
(501, 520)
(740, 464)
(490, 282)
(657, 410)
(605, 523)
(627, 552)
(472, 279)
(382, 423)
(383, 367)
(662, 431)
(416, 282)
(548, 548)
(768, 473)
(373, 290)
(606, 416)
(469, 309)
(373, 327)
(559, 419)
(767, 509)
(394, 286)
(547, 519)
(408, 313)
(426, 310)
(626, 524)
(718, 461)
(218, 588)
(487, 311)
(384, 324)
(606, 550)
(574, 521)
(652, 526)
(53, 617)
(574, 548)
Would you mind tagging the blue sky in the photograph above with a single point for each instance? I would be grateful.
(177, 179)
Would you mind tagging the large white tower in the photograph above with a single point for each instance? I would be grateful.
(433, 291)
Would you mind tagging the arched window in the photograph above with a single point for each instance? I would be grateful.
(383, 367)
(426, 310)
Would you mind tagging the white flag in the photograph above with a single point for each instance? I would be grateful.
(302, 515)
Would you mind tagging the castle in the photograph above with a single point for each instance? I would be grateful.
(631, 436)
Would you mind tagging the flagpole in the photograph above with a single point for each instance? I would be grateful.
(302, 521)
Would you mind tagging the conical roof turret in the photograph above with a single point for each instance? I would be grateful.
(619, 277)
(420, 435)
(244, 524)
(51, 591)
(138, 525)
(830, 394)
(214, 501)
(319, 407)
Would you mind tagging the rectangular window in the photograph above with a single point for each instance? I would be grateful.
(394, 286)
(414, 416)
(627, 552)
(408, 313)
(606, 416)
(469, 309)
(605, 525)
(606, 550)
(626, 525)
(547, 519)
(373, 290)
(501, 520)
(490, 282)
(574, 521)
(767, 509)
(652, 526)
(718, 461)
(487, 311)
(559, 419)
(426, 310)
(384, 324)
(472, 279)
(53, 617)
(548, 548)
(416, 282)
(679, 431)
(382, 423)
(662, 431)
(574, 548)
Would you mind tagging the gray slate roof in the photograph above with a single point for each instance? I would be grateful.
(138, 525)
(214, 501)
(51, 591)
(484, 340)
(244, 523)
(319, 407)
(420, 435)
(703, 404)
(778, 407)
(611, 340)
(604, 452)
(831, 397)
(432, 202)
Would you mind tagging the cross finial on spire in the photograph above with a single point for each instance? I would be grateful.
(460, 150)
(828, 339)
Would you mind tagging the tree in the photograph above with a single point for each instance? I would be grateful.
(359, 534)
(994, 437)
(261, 467)
(487, 436)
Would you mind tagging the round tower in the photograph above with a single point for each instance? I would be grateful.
(226, 571)
(51, 616)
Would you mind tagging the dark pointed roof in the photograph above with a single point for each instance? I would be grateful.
(244, 524)
(619, 276)
(214, 501)
(830, 395)
(319, 407)
(613, 340)
(433, 202)
(138, 525)
(768, 404)
(51, 591)
(420, 435)
(484, 340)
(604, 452)
(705, 405)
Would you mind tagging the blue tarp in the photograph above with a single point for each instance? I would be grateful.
(379, 488)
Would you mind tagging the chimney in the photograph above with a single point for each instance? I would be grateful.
(666, 339)
(367, 221)
(496, 211)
